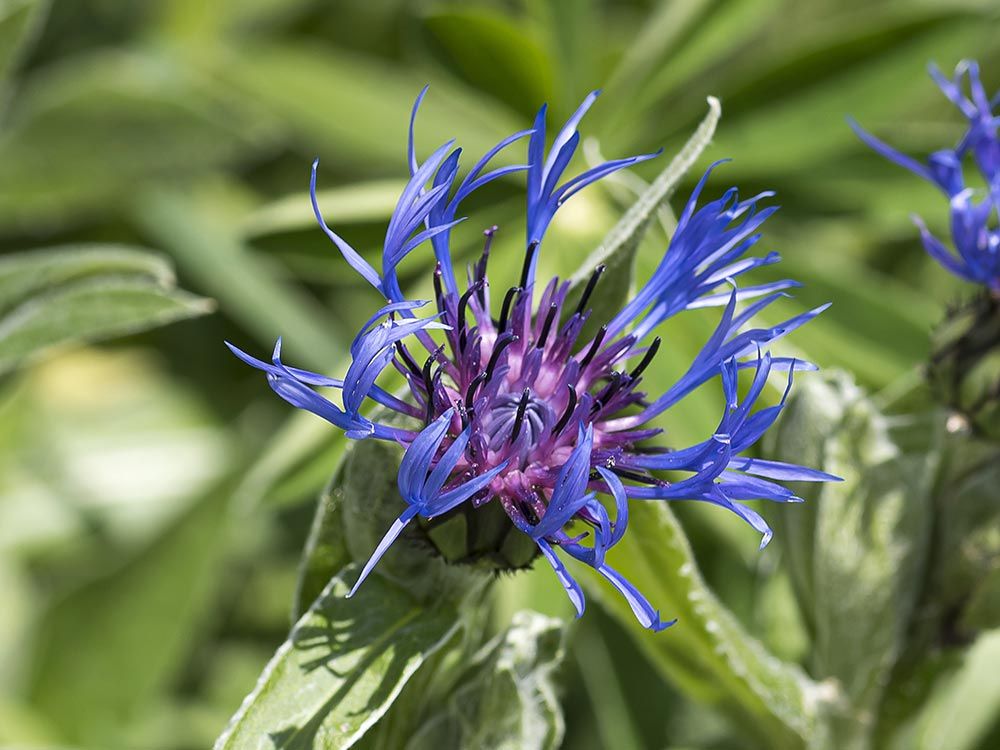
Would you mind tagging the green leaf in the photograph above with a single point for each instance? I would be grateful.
(869, 540)
(295, 463)
(877, 326)
(959, 595)
(20, 23)
(568, 29)
(711, 38)
(102, 652)
(964, 705)
(506, 699)
(84, 293)
(343, 665)
(967, 539)
(90, 129)
(355, 108)
(667, 26)
(807, 426)
(326, 547)
(707, 653)
(617, 250)
(495, 53)
(248, 286)
(360, 504)
(807, 123)
(361, 202)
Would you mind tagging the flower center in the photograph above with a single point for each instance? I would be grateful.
(513, 415)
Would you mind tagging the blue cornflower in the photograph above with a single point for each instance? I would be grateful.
(974, 213)
(521, 409)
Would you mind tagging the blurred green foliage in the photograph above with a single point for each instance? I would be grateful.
(155, 498)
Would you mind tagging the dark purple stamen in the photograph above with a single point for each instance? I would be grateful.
(480, 270)
(615, 383)
(589, 289)
(503, 341)
(438, 291)
(429, 381)
(528, 258)
(546, 326)
(522, 405)
(592, 352)
(508, 300)
(463, 304)
(646, 359)
(570, 408)
(636, 476)
(470, 392)
(408, 360)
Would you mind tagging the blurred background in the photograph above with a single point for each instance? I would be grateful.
(155, 495)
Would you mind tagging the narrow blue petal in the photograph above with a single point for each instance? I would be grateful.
(473, 181)
(745, 293)
(570, 491)
(621, 505)
(744, 487)
(573, 589)
(487, 178)
(351, 255)
(450, 499)
(752, 517)
(644, 612)
(393, 307)
(446, 464)
(411, 153)
(568, 131)
(936, 249)
(250, 360)
(887, 151)
(780, 470)
(599, 172)
(536, 152)
(383, 546)
(418, 456)
(558, 161)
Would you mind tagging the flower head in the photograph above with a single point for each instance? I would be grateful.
(516, 405)
(974, 212)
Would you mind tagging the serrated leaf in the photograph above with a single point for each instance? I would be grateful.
(84, 293)
(869, 541)
(341, 668)
(617, 250)
(707, 653)
(506, 699)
